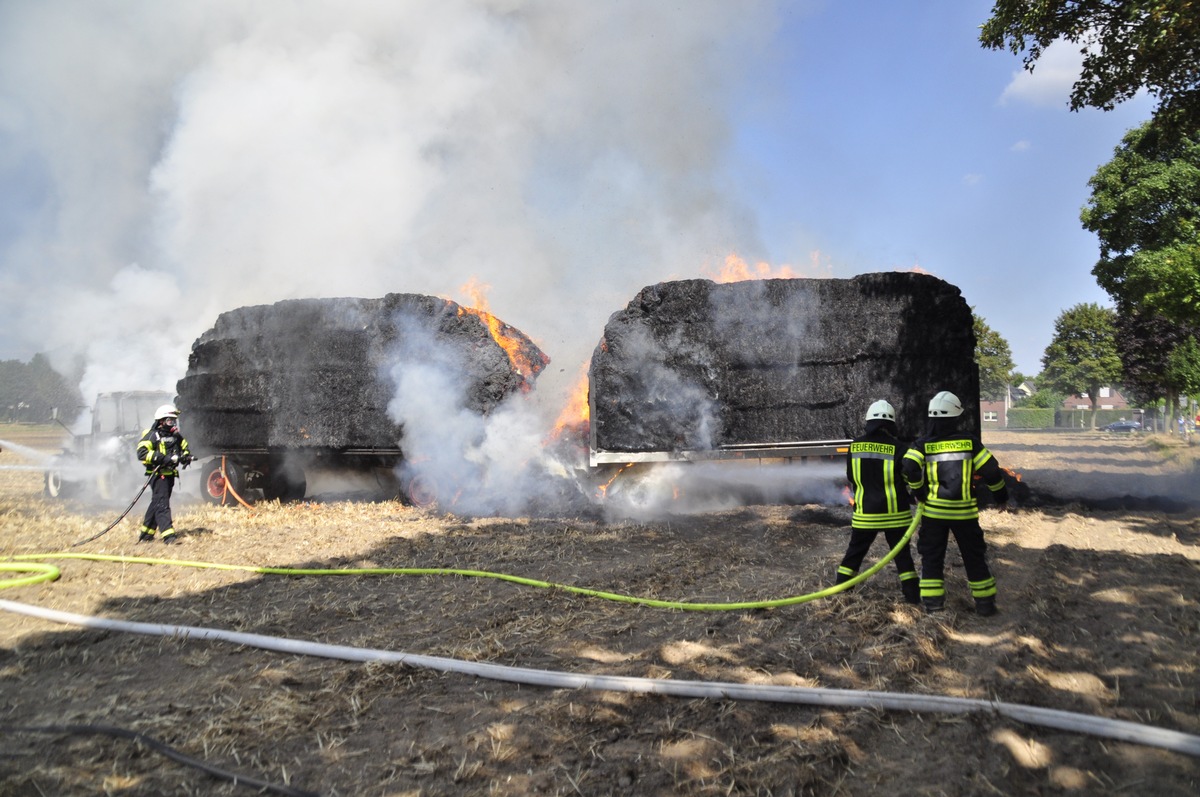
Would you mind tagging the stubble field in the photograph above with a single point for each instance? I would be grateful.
(1099, 578)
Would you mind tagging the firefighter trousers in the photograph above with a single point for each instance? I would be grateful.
(158, 514)
(861, 541)
(931, 545)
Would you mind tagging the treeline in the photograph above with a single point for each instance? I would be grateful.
(30, 391)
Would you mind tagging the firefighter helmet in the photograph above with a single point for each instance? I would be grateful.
(881, 411)
(945, 405)
(166, 411)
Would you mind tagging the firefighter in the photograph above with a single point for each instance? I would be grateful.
(940, 469)
(163, 450)
(881, 500)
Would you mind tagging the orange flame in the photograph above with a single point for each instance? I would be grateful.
(504, 335)
(738, 270)
(602, 490)
(576, 414)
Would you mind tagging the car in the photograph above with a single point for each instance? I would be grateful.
(1122, 426)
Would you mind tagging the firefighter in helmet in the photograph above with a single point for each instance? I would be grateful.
(163, 451)
(881, 500)
(941, 469)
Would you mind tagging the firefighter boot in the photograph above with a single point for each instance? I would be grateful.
(985, 607)
(146, 535)
(170, 537)
(912, 591)
(843, 576)
(934, 605)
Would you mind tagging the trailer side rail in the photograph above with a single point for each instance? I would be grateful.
(740, 451)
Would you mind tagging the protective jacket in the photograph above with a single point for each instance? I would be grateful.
(157, 447)
(873, 468)
(942, 468)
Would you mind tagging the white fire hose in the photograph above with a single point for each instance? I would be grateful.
(845, 698)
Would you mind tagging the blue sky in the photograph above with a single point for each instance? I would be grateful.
(162, 163)
(897, 141)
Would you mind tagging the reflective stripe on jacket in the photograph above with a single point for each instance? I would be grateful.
(945, 468)
(155, 442)
(873, 470)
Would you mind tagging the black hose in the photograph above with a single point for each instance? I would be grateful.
(169, 752)
(112, 525)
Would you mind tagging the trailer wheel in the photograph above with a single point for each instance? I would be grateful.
(215, 488)
(284, 483)
(422, 491)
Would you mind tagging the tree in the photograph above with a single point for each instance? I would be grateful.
(1183, 366)
(1082, 356)
(29, 391)
(994, 358)
(1145, 208)
(1044, 398)
(1145, 343)
(1127, 45)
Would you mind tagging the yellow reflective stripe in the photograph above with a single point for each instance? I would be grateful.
(944, 512)
(880, 521)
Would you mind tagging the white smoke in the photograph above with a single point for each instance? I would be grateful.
(177, 160)
(496, 463)
(565, 153)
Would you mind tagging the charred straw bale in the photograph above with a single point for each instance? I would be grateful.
(319, 373)
(695, 365)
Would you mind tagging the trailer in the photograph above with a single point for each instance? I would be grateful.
(778, 370)
(274, 393)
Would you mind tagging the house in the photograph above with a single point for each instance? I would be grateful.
(1110, 398)
(994, 414)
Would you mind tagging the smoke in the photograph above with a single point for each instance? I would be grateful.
(496, 463)
(166, 162)
(681, 489)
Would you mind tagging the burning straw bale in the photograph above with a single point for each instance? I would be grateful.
(696, 365)
(319, 373)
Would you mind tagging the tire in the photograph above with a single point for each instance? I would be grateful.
(421, 491)
(215, 489)
(115, 482)
(284, 483)
(58, 487)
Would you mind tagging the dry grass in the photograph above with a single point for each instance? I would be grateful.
(376, 729)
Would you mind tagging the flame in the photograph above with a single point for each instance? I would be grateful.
(848, 496)
(576, 414)
(602, 490)
(504, 335)
(738, 270)
(1016, 476)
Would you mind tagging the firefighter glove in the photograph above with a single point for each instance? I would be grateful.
(1001, 496)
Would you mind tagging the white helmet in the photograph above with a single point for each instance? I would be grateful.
(945, 405)
(166, 411)
(881, 411)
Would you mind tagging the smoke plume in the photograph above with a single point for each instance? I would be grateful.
(172, 161)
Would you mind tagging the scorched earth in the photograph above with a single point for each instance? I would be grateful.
(1099, 615)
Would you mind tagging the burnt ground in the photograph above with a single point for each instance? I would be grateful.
(1099, 578)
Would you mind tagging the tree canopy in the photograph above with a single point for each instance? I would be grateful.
(1145, 342)
(994, 358)
(29, 391)
(1127, 45)
(1145, 209)
(1082, 357)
